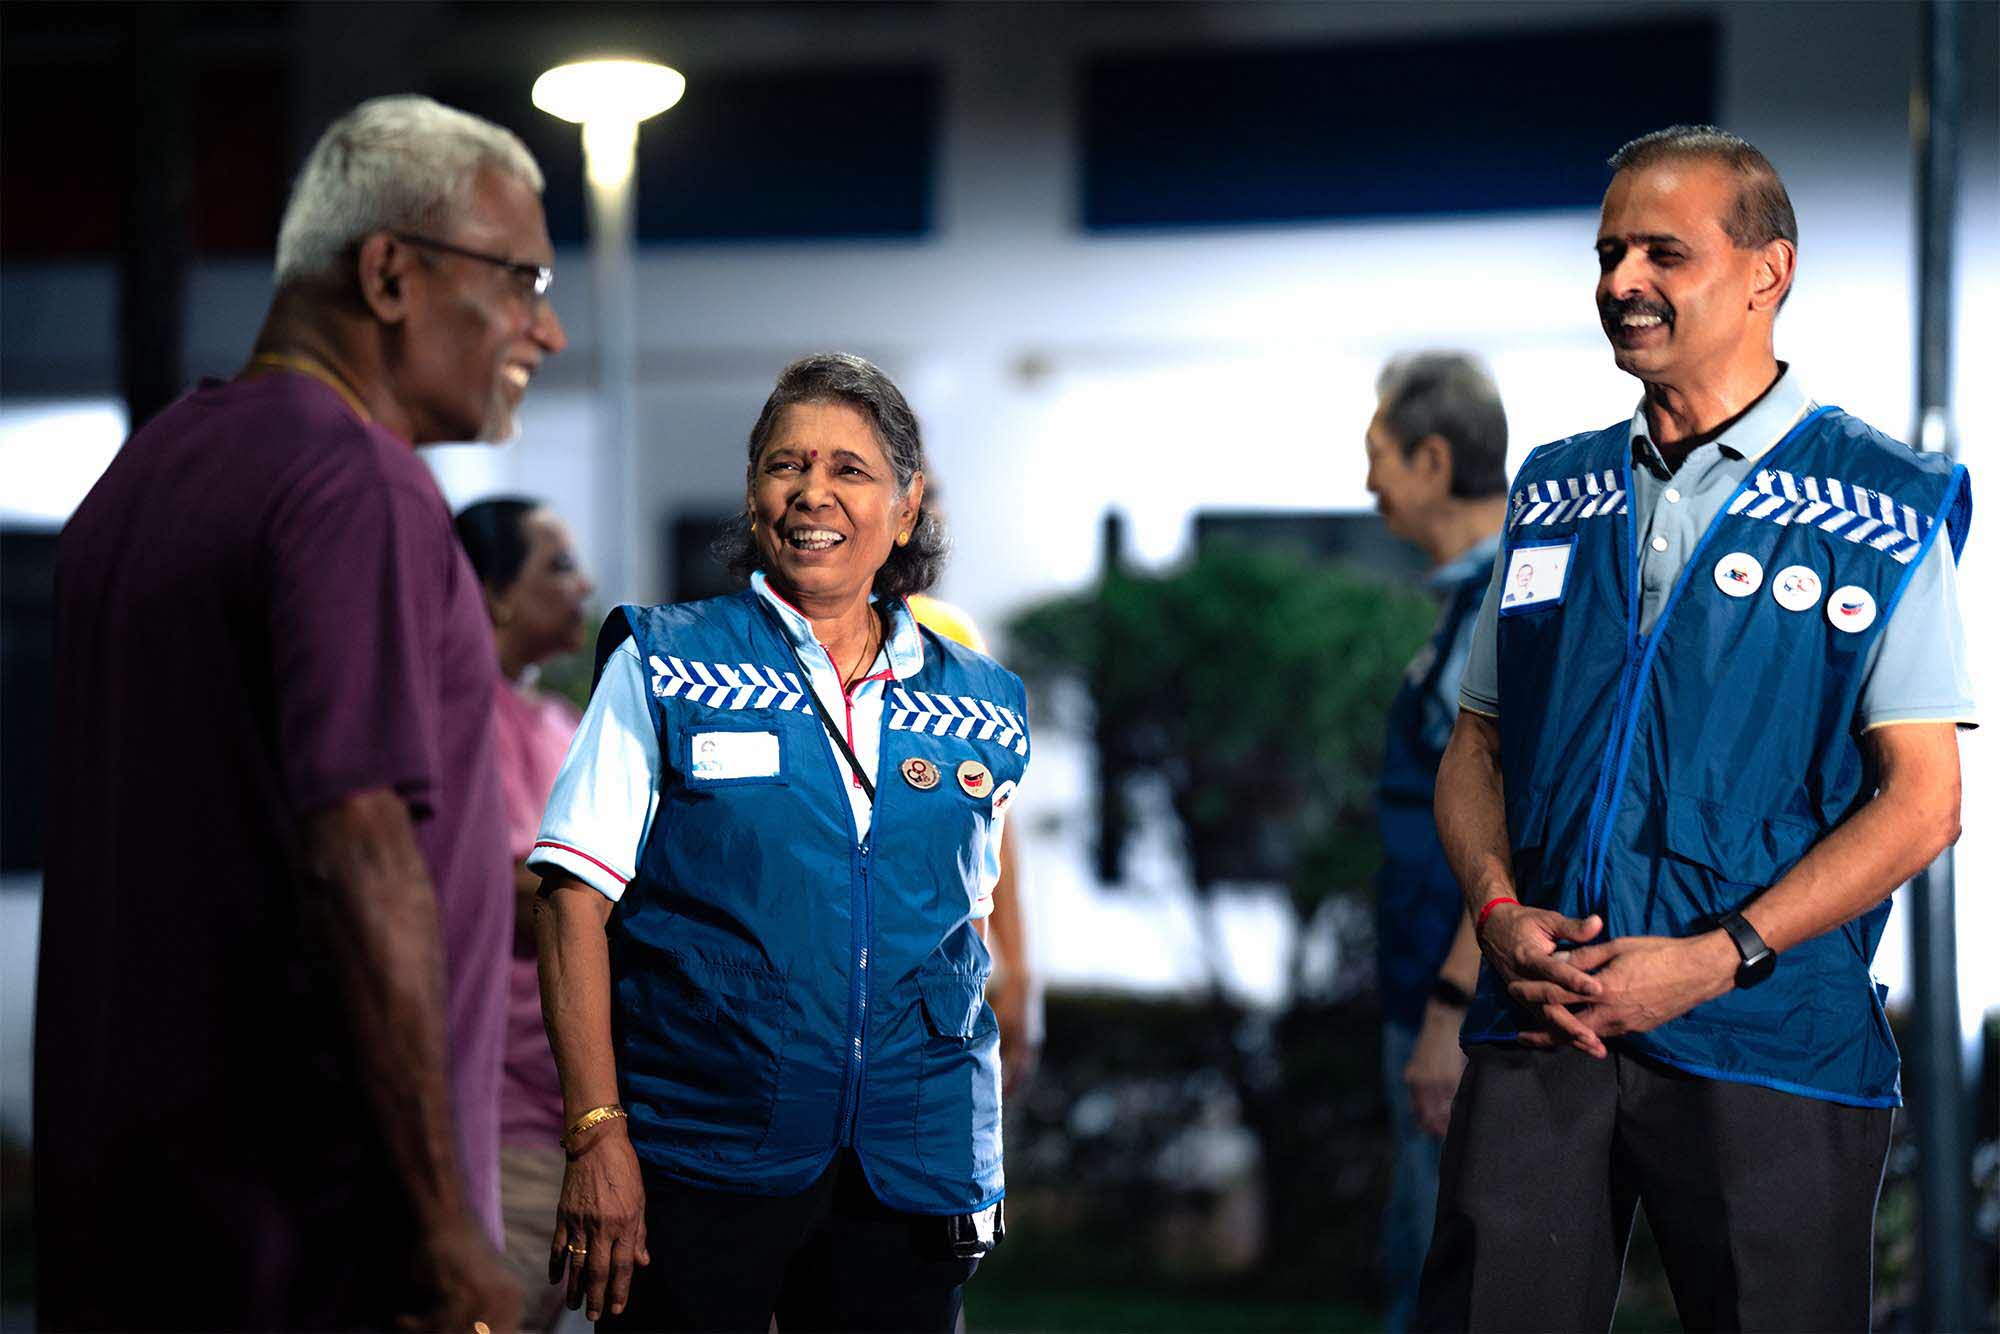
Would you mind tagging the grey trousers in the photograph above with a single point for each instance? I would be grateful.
(1763, 1203)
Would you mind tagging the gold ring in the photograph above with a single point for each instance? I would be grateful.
(481, 1327)
(577, 1250)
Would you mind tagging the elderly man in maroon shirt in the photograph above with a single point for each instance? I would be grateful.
(275, 925)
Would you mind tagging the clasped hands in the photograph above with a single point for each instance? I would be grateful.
(1585, 994)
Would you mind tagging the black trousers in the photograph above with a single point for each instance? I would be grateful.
(1763, 1203)
(832, 1257)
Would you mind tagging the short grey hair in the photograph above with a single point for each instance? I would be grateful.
(402, 163)
(1762, 212)
(1451, 395)
(841, 377)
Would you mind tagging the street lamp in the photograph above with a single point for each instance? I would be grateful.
(609, 98)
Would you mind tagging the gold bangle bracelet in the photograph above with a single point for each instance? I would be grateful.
(596, 1116)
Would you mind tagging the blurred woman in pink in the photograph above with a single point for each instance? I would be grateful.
(535, 592)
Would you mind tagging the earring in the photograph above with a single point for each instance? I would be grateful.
(902, 539)
(753, 525)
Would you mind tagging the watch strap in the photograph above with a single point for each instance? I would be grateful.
(1450, 993)
(1748, 943)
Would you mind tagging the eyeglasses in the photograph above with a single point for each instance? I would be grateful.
(534, 278)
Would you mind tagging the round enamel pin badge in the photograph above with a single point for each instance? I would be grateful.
(1003, 797)
(1796, 588)
(1739, 574)
(975, 778)
(1851, 608)
(920, 773)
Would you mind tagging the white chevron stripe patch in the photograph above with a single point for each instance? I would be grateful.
(1562, 499)
(746, 685)
(1864, 517)
(956, 715)
(722, 685)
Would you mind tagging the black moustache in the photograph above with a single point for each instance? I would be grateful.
(1614, 311)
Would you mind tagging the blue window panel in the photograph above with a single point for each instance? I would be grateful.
(1489, 124)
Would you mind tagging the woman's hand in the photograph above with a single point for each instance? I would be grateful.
(600, 1222)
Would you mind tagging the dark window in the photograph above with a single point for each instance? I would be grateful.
(27, 676)
(788, 155)
(1381, 129)
(194, 99)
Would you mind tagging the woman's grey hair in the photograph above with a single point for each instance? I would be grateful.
(1449, 394)
(839, 377)
(403, 163)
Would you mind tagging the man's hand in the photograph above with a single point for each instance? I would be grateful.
(1647, 980)
(1434, 1067)
(469, 1284)
(1521, 943)
(602, 1215)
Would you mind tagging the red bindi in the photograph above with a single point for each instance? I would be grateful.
(812, 453)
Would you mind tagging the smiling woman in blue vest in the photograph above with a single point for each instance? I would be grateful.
(768, 859)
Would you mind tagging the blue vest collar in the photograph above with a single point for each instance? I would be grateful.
(905, 646)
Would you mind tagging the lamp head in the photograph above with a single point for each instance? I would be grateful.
(620, 91)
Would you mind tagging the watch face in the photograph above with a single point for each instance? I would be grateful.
(1755, 970)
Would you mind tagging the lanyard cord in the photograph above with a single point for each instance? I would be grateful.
(826, 721)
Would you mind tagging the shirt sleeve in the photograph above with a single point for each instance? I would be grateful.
(609, 786)
(1917, 670)
(989, 868)
(360, 573)
(1479, 688)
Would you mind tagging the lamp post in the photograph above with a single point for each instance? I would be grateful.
(609, 98)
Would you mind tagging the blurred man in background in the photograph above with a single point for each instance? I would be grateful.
(275, 932)
(1437, 467)
(1708, 726)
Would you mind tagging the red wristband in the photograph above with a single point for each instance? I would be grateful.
(1491, 904)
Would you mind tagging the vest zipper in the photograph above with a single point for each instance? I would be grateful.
(858, 1035)
(1625, 724)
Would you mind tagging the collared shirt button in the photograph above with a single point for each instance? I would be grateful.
(1673, 496)
(1659, 544)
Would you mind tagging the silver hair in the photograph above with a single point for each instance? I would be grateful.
(402, 163)
(1449, 394)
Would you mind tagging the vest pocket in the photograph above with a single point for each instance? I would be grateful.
(957, 1125)
(701, 1052)
(1735, 856)
(1745, 849)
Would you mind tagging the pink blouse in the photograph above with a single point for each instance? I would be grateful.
(532, 732)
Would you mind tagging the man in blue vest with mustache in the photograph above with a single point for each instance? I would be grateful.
(1708, 725)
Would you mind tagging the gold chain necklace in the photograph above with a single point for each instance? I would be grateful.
(325, 374)
(870, 649)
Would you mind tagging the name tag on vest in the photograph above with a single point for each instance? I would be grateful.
(1537, 574)
(724, 755)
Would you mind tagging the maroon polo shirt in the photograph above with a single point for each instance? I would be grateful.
(260, 609)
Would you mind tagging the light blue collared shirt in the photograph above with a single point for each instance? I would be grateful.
(1917, 668)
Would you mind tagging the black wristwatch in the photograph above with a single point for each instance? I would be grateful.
(1448, 992)
(1758, 958)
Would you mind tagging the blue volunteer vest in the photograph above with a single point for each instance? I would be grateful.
(1660, 779)
(1417, 899)
(778, 991)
